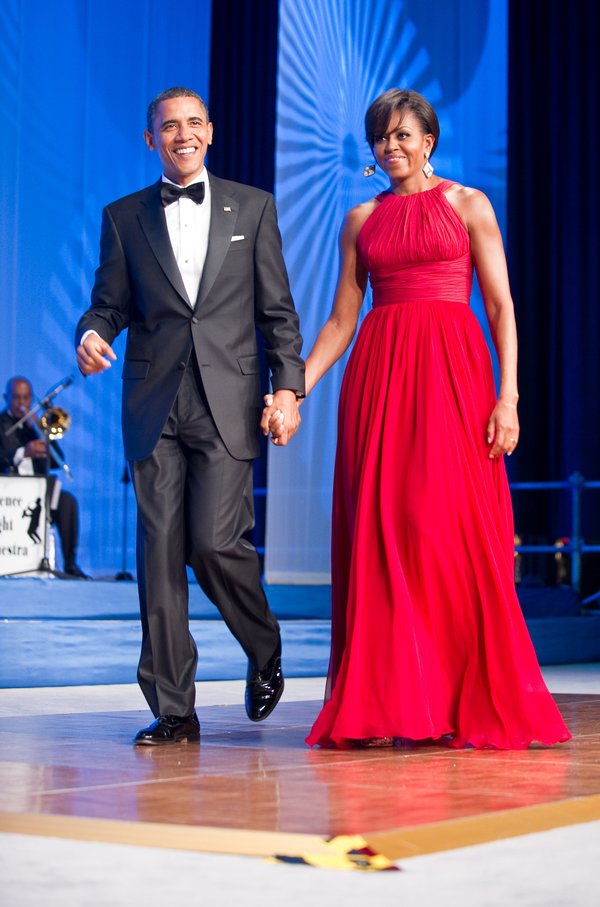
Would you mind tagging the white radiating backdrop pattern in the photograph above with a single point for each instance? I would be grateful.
(335, 57)
(75, 81)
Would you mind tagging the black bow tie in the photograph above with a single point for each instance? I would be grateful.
(170, 194)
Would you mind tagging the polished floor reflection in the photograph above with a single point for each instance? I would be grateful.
(264, 778)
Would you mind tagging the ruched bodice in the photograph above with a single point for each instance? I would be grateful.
(423, 252)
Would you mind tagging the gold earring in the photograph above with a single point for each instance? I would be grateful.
(369, 170)
(427, 168)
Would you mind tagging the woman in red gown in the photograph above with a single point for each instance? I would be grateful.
(428, 638)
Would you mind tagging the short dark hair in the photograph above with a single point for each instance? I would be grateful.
(177, 92)
(398, 100)
(11, 383)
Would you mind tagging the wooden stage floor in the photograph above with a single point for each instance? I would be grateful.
(257, 789)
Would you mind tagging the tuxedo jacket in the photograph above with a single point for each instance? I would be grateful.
(244, 288)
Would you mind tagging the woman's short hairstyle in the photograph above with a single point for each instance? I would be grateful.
(399, 100)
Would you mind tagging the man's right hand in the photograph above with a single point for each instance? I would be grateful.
(36, 449)
(93, 355)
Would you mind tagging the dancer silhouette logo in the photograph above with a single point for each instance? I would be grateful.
(34, 512)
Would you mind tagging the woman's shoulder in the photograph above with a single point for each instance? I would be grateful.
(471, 204)
(465, 193)
(356, 216)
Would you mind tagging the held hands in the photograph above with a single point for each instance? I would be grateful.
(93, 355)
(280, 417)
(503, 430)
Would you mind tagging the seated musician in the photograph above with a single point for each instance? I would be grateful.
(25, 453)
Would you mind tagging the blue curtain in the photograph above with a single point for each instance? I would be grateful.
(76, 79)
(243, 95)
(334, 59)
(554, 241)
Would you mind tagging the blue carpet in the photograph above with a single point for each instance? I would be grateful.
(66, 632)
(57, 632)
(57, 599)
(56, 653)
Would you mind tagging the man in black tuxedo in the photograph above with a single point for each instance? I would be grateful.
(23, 452)
(192, 267)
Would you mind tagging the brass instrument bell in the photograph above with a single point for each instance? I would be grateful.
(55, 422)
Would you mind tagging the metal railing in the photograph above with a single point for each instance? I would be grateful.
(575, 546)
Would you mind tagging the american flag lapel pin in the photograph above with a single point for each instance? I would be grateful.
(227, 208)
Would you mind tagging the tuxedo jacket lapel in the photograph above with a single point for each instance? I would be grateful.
(223, 217)
(153, 223)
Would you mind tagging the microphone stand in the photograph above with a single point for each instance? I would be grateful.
(124, 573)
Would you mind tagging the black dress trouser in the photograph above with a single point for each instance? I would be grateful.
(66, 520)
(195, 506)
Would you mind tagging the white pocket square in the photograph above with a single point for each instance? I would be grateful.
(237, 238)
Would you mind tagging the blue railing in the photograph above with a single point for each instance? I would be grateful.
(575, 546)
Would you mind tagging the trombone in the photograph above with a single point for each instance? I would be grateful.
(51, 427)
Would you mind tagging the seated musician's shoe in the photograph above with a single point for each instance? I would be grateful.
(264, 687)
(169, 729)
(71, 569)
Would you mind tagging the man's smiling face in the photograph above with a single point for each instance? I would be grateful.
(181, 134)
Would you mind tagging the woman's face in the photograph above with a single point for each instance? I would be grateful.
(401, 150)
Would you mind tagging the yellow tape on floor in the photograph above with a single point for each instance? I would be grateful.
(510, 823)
(346, 852)
(368, 852)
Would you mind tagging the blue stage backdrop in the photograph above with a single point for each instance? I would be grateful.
(335, 57)
(76, 79)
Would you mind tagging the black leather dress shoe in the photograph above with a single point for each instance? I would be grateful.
(74, 570)
(169, 729)
(264, 687)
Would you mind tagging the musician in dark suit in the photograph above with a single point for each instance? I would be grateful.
(192, 267)
(24, 452)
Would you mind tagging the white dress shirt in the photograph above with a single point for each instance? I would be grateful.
(188, 225)
(23, 464)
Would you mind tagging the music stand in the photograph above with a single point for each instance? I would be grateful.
(44, 566)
